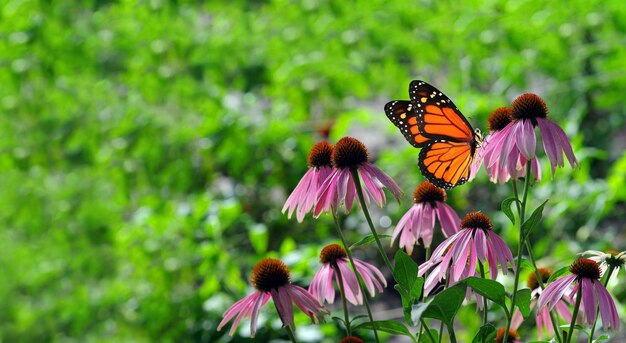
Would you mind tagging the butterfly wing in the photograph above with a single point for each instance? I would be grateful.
(403, 116)
(437, 116)
(446, 164)
(446, 158)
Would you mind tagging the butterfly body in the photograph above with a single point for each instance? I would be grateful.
(432, 122)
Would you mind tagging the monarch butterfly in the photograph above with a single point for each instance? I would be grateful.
(431, 121)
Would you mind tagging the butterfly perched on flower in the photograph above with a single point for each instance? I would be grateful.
(432, 122)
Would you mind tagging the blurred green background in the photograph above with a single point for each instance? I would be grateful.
(148, 146)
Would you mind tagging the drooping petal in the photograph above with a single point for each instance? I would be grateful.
(373, 186)
(240, 309)
(282, 300)
(327, 194)
(589, 299)
(555, 291)
(608, 312)
(384, 179)
(449, 220)
(526, 140)
(305, 302)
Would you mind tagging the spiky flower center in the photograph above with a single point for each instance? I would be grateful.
(269, 274)
(532, 282)
(513, 335)
(427, 192)
(320, 155)
(585, 268)
(349, 152)
(351, 339)
(476, 220)
(332, 253)
(529, 106)
(499, 118)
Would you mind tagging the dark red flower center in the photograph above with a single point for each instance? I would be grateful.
(532, 282)
(513, 335)
(499, 118)
(427, 192)
(332, 253)
(349, 152)
(351, 339)
(476, 220)
(320, 155)
(585, 268)
(269, 274)
(529, 106)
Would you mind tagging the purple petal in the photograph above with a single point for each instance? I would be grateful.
(327, 194)
(373, 187)
(608, 312)
(283, 305)
(526, 140)
(385, 180)
(589, 300)
(555, 291)
(449, 220)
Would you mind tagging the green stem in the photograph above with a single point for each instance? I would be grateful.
(606, 282)
(430, 335)
(290, 333)
(482, 274)
(440, 331)
(553, 319)
(579, 297)
(531, 256)
(343, 299)
(359, 191)
(522, 210)
(358, 275)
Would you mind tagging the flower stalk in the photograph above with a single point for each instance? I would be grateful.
(359, 190)
(358, 275)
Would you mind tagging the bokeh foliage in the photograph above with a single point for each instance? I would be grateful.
(148, 147)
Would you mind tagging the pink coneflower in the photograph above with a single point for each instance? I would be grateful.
(610, 258)
(335, 259)
(302, 199)
(501, 170)
(271, 278)
(419, 220)
(584, 275)
(529, 111)
(339, 187)
(542, 317)
(513, 336)
(457, 256)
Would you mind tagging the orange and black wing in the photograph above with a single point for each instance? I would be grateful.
(446, 164)
(446, 158)
(402, 115)
(437, 116)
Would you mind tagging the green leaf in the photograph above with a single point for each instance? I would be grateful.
(601, 338)
(534, 218)
(404, 270)
(489, 289)
(506, 208)
(417, 311)
(558, 273)
(487, 333)
(355, 318)
(339, 319)
(390, 326)
(522, 301)
(446, 304)
(576, 327)
(526, 265)
(426, 339)
(367, 240)
(407, 302)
